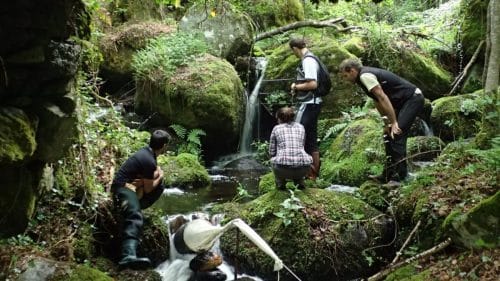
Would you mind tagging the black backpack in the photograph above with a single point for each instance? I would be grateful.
(324, 81)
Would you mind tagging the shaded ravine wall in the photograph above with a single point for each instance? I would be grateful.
(38, 63)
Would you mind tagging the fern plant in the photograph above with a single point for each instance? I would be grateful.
(189, 140)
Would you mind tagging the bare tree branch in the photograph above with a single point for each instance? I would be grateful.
(338, 24)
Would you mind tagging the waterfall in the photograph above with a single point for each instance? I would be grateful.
(427, 130)
(252, 108)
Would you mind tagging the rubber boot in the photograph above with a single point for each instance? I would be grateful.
(129, 257)
(315, 166)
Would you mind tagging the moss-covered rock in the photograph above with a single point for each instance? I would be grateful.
(80, 273)
(322, 240)
(355, 46)
(184, 170)
(283, 64)
(271, 13)
(193, 98)
(84, 243)
(457, 117)
(354, 154)
(424, 148)
(375, 194)
(17, 135)
(479, 227)
(228, 31)
(118, 47)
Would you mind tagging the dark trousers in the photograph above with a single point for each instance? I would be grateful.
(284, 173)
(310, 122)
(130, 208)
(395, 149)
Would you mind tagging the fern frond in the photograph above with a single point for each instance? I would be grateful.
(179, 130)
(194, 136)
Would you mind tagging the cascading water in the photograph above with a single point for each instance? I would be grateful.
(252, 109)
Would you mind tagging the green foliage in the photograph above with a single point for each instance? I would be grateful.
(189, 141)
(289, 208)
(163, 55)
(242, 193)
(262, 152)
(348, 117)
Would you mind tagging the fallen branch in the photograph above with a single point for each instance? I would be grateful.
(381, 274)
(462, 75)
(310, 23)
(400, 252)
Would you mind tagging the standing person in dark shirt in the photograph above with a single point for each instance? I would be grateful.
(286, 147)
(397, 100)
(136, 186)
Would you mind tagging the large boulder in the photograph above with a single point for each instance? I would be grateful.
(424, 148)
(457, 116)
(355, 153)
(479, 227)
(283, 64)
(206, 94)
(118, 47)
(184, 170)
(17, 135)
(318, 234)
(271, 13)
(229, 32)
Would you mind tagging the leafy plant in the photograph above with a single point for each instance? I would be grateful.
(262, 152)
(289, 208)
(242, 193)
(163, 55)
(190, 141)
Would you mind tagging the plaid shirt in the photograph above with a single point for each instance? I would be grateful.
(287, 145)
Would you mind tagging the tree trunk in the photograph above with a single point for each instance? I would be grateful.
(492, 76)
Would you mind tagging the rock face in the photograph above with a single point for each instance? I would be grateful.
(38, 65)
(228, 31)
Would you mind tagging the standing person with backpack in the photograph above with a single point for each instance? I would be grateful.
(313, 81)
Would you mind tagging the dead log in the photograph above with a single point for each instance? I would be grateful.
(462, 75)
(310, 23)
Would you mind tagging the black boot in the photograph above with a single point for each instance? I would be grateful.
(129, 258)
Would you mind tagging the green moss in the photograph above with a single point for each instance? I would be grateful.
(301, 244)
(478, 228)
(354, 154)
(424, 148)
(217, 109)
(84, 244)
(457, 116)
(409, 273)
(473, 24)
(267, 183)
(355, 46)
(270, 13)
(184, 170)
(17, 135)
(81, 273)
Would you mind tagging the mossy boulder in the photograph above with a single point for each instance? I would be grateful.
(228, 31)
(194, 98)
(272, 13)
(457, 116)
(355, 45)
(135, 11)
(424, 148)
(355, 153)
(283, 63)
(375, 194)
(17, 135)
(184, 170)
(479, 227)
(324, 240)
(118, 47)
(422, 71)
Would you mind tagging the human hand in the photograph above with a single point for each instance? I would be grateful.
(395, 130)
(158, 173)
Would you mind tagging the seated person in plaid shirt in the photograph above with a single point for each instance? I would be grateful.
(288, 157)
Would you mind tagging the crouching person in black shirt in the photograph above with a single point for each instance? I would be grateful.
(136, 186)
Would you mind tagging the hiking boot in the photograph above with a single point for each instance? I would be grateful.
(393, 184)
(378, 178)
